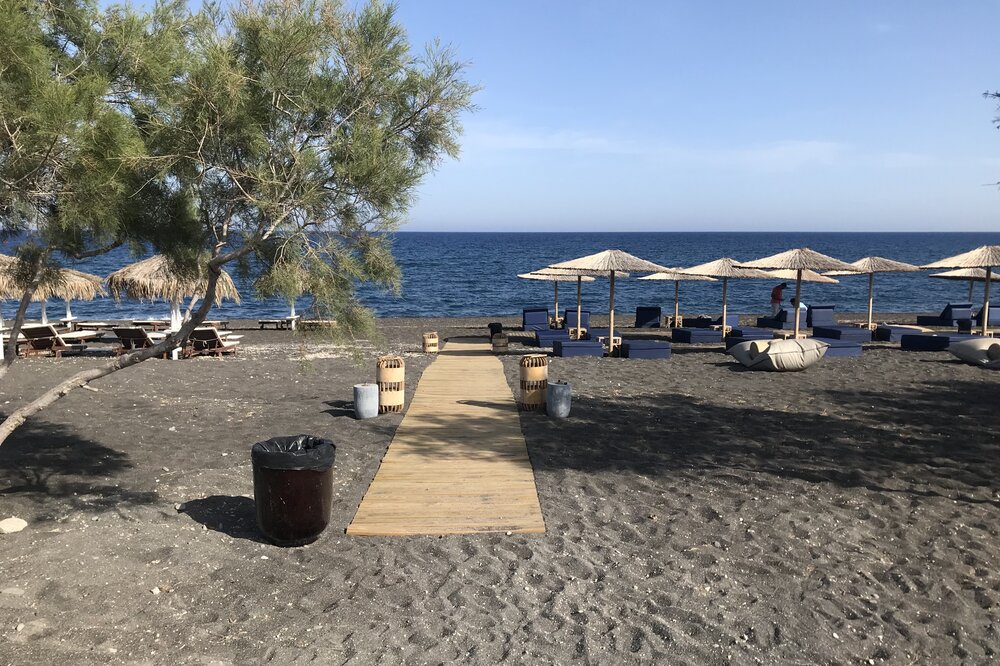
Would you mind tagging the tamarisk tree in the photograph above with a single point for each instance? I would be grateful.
(295, 136)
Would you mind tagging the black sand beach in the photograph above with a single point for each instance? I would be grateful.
(696, 513)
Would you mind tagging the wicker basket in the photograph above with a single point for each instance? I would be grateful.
(534, 381)
(431, 342)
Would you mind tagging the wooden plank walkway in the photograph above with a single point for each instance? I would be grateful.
(458, 463)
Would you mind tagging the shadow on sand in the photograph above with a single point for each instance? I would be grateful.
(235, 516)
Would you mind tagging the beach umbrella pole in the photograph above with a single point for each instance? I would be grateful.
(579, 305)
(871, 287)
(798, 294)
(971, 282)
(725, 287)
(556, 314)
(69, 311)
(986, 300)
(611, 330)
(45, 313)
(677, 301)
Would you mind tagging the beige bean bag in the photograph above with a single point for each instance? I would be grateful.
(978, 351)
(779, 355)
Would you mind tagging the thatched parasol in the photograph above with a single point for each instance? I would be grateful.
(973, 275)
(607, 264)
(726, 269)
(871, 266)
(986, 257)
(555, 277)
(154, 278)
(677, 276)
(799, 260)
(68, 285)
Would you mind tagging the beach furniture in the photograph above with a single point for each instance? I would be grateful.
(45, 339)
(782, 321)
(495, 327)
(852, 333)
(92, 326)
(535, 319)
(949, 315)
(966, 325)
(567, 348)
(648, 317)
(284, 323)
(135, 337)
(695, 335)
(207, 341)
(155, 324)
(738, 335)
(649, 349)
(732, 321)
(569, 318)
(216, 323)
(820, 315)
(841, 348)
(984, 352)
(545, 338)
(928, 342)
(779, 355)
(893, 332)
(317, 324)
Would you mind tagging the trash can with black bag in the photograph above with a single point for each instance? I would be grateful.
(293, 488)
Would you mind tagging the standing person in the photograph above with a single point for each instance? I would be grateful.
(777, 296)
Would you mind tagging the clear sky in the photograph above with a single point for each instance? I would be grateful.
(692, 116)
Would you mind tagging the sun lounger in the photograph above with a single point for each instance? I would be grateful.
(852, 333)
(648, 317)
(545, 338)
(948, 317)
(650, 349)
(207, 341)
(155, 324)
(534, 319)
(738, 335)
(45, 339)
(131, 338)
(841, 348)
(893, 332)
(695, 335)
(316, 324)
(820, 315)
(966, 325)
(569, 318)
(931, 341)
(783, 320)
(732, 321)
(92, 326)
(567, 348)
(278, 324)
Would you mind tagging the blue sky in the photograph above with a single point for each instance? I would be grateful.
(718, 116)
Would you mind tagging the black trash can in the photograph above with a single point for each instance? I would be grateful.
(495, 327)
(293, 488)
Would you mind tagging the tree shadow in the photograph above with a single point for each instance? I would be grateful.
(234, 516)
(339, 408)
(42, 461)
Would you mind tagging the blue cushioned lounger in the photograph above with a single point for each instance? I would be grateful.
(569, 317)
(890, 333)
(695, 335)
(646, 349)
(648, 317)
(782, 320)
(840, 348)
(738, 335)
(819, 315)
(853, 333)
(568, 348)
(535, 319)
(948, 317)
(548, 336)
(931, 341)
(600, 332)
(732, 321)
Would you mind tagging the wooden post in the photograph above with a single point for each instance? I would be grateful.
(45, 313)
(556, 314)
(798, 295)
(986, 300)
(611, 330)
(971, 282)
(677, 297)
(579, 307)
(725, 286)
(871, 286)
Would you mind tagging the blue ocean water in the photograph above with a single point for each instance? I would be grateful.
(475, 274)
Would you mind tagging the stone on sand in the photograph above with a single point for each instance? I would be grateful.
(11, 525)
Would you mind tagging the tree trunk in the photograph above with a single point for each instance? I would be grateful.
(22, 414)
(15, 331)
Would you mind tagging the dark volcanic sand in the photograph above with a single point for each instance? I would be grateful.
(696, 513)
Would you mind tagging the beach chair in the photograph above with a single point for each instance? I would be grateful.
(820, 315)
(966, 325)
(783, 320)
(207, 342)
(546, 338)
(155, 324)
(648, 317)
(732, 321)
(948, 317)
(567, 348)
(535, 319)
(44, 339)
(131, 338)
(650, 349)
(569, 318)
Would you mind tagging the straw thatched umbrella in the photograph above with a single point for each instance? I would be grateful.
(607, 264)
(871, 266)
(67, 285)
(155, 278)
(677, 276)
(973, 275)
(555, 277)
(726, 269)
(986, 257)
(799, 260)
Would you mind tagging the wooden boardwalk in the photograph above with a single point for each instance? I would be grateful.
(458, 463)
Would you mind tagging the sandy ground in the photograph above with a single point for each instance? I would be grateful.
(696, 514)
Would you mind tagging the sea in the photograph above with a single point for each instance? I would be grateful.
(453, 274)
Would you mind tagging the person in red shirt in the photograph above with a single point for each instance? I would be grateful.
(777, 296)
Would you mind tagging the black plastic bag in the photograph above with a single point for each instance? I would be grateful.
(296, 452)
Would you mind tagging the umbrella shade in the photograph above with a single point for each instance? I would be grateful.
(67, 285)
(973, 275)
(871, 266)
(726, 269)
(986, 257)
(555, 277)
(608, 263)
(155, 278)
(807, 276)
(677, 277)
(799, 260)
